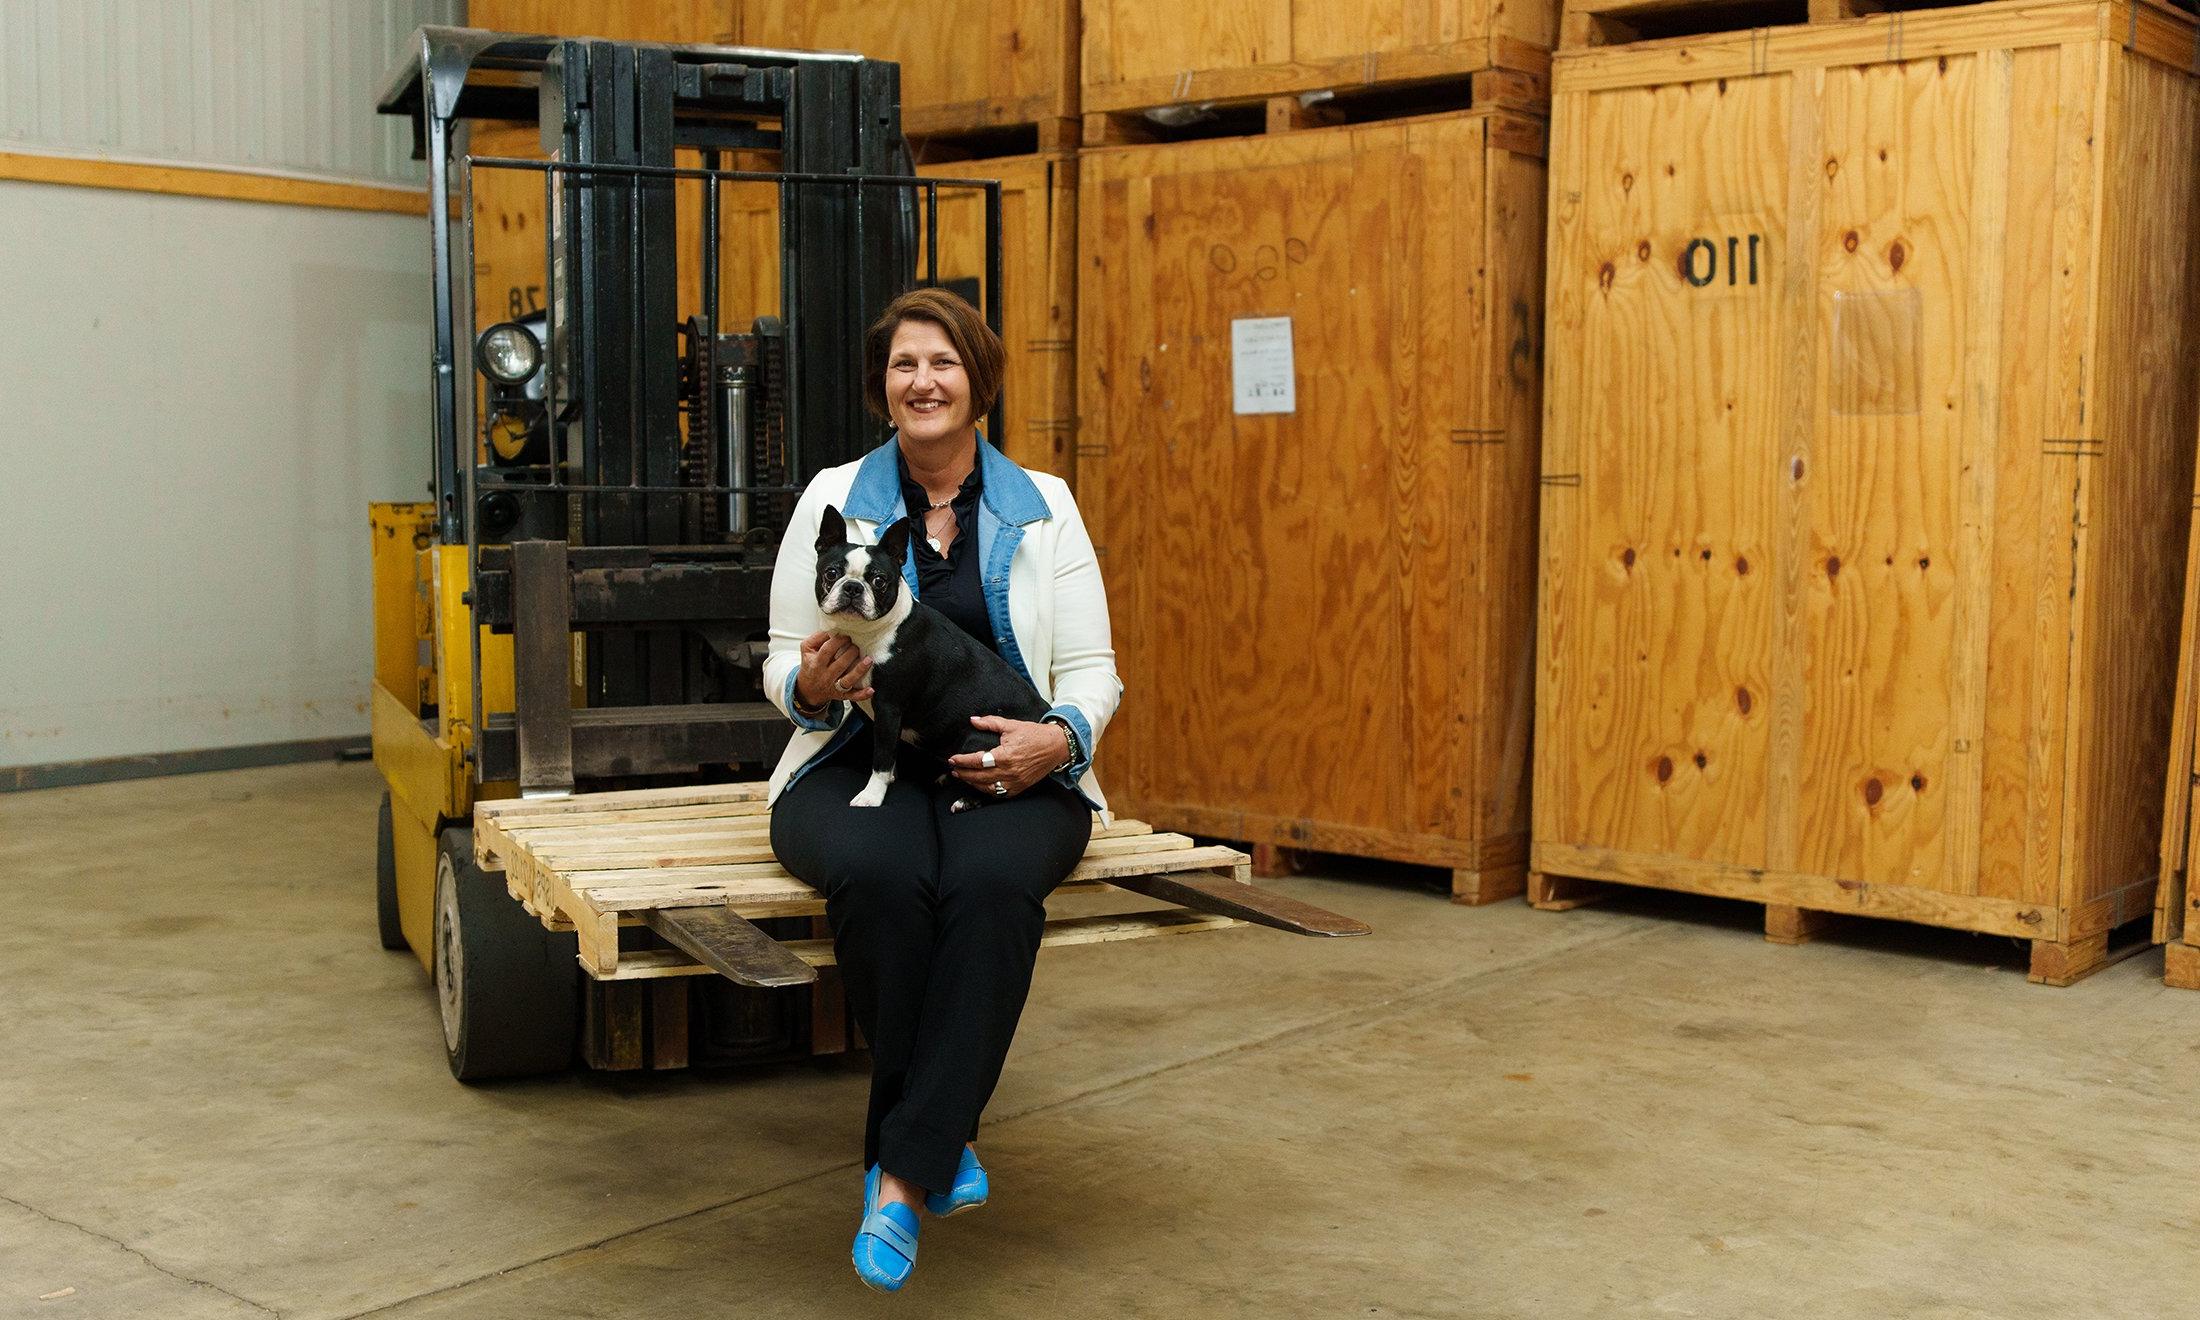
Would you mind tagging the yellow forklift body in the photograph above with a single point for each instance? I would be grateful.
(423, 664)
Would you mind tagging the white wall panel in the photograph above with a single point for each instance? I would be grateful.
(280, 85)
(198, 399)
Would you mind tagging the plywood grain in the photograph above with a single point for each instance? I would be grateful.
(1324, 615)
(1961, 481)
(965, 64)
(1142, 53)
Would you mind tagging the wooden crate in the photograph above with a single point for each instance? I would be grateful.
(1620, 22)
(617, 20)
(2175, 926)
(967, 66)
(1038, 285)
(1142, 55)
(1323, 617)
(1867, 442)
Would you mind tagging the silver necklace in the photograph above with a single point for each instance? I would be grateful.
(929, 510)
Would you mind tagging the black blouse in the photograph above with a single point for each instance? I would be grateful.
(949, 583)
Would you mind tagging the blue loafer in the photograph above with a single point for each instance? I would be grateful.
(968, 1192)
(886, 1246)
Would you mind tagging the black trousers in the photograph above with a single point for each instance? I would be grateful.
(936, 920)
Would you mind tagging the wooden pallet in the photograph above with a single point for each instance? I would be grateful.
(1250, 113)
(1482, 871)
(1042, 137)
(594, 862)
(1588, 23)
(1785, 922)
(1140, 55)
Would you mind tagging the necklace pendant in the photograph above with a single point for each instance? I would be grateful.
(934, 542)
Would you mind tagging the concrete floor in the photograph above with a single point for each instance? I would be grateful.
(221, 1098)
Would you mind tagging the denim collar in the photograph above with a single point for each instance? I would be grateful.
(1007, 489)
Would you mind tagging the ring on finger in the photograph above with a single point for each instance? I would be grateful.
(841, 684)
(1000, 789)
(986, 760)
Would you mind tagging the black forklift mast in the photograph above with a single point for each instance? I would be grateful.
(653, 459)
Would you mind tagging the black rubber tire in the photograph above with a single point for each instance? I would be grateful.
(508, 990)
(385, 877)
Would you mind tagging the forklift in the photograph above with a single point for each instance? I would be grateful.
(583, 602)
(579, 615)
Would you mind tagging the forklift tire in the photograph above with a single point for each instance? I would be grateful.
(385, 877)
(508, 989)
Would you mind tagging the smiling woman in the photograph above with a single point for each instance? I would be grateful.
(936, 913)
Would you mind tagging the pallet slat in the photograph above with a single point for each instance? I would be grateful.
(649, 964)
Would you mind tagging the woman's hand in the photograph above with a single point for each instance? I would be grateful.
(833, 669)
(1028, 753)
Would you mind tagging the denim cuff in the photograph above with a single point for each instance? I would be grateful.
(1075, 718)
(825, 724)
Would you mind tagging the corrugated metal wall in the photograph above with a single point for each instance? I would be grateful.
(279, 85)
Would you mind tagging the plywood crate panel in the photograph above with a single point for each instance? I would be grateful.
(1868, 448)
(1322, 617)
(965, 64)
(1147, 53)
(615, 20)
(2176, 924)
(1038, 285)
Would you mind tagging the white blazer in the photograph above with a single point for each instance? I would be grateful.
(1042, 588)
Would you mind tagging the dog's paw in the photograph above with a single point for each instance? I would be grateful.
(873, 793)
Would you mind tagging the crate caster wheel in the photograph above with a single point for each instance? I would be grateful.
(507, 988)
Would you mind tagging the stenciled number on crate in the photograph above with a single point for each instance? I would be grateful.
(1700, 263)
(520, 301)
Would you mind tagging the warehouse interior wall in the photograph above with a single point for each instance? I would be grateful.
(198, 399)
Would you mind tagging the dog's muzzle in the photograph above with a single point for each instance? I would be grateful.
(848, 598)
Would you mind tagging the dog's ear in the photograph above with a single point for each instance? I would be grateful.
(895, 541)
(832, 529)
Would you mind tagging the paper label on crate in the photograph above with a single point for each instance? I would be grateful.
(1262, 379)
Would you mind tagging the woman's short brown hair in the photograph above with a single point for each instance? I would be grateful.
(974, 341)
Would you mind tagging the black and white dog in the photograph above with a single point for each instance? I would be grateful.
(928, 677)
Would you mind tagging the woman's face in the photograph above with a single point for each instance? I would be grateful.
(927, 394)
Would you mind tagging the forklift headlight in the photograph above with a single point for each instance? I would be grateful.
(507, 353)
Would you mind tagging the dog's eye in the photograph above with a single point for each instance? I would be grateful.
(831, 573)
